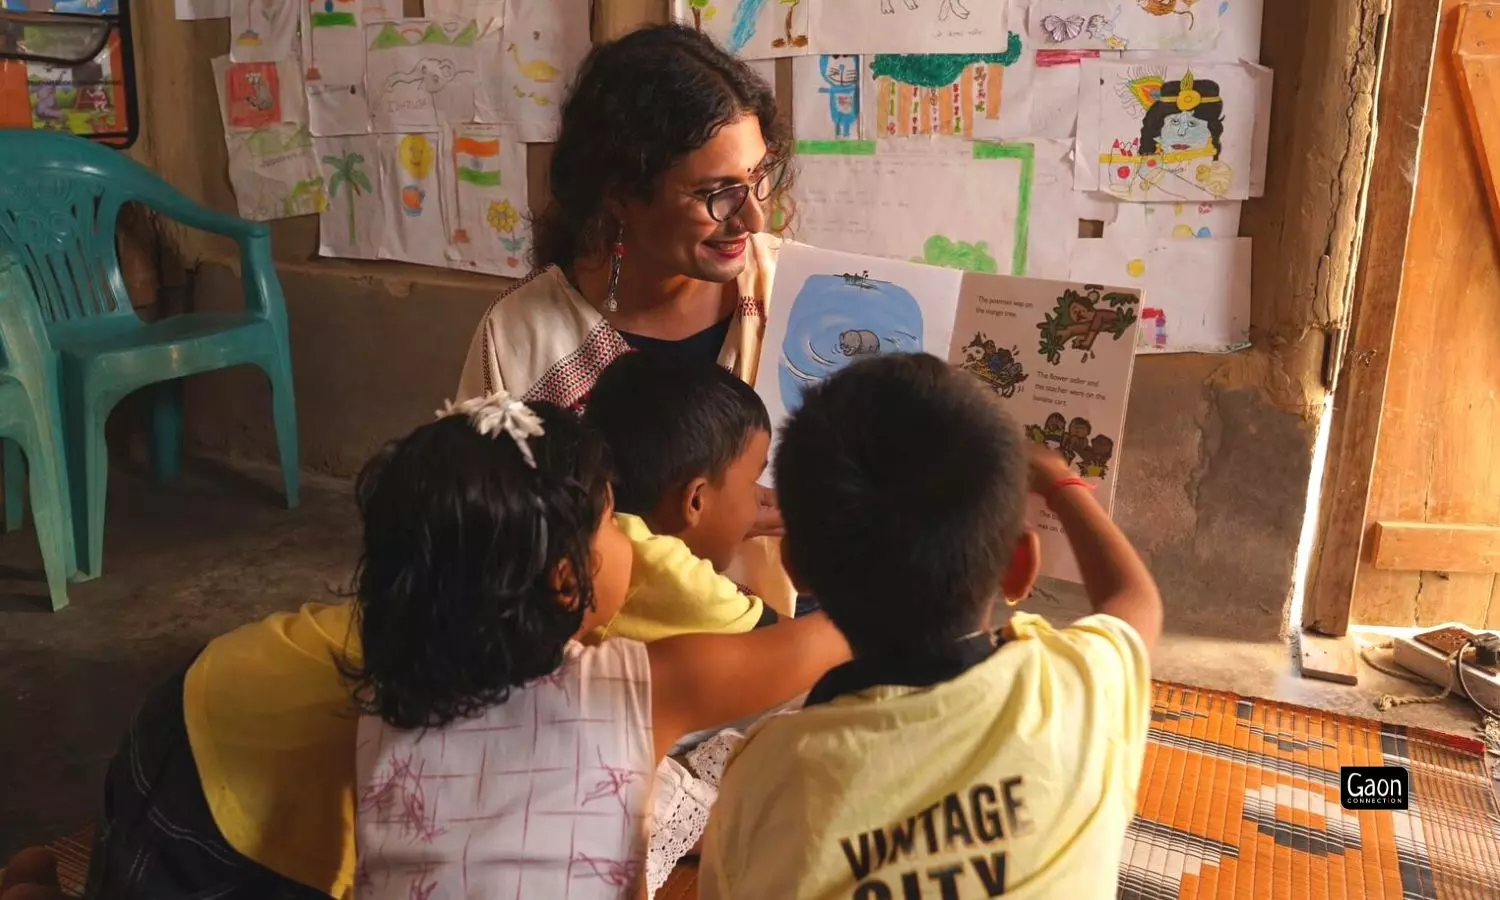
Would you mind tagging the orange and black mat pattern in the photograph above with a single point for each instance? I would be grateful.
(1240, 799)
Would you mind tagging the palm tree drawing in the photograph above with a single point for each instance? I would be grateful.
(348, 175)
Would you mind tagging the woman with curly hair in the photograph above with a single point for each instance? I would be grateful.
(664, 176)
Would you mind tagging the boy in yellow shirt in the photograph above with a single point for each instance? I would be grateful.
(688, 442)
(944, 761)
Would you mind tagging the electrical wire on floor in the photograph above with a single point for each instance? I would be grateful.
(1488, 728)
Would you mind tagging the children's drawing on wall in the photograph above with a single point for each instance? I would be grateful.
(544, 42)
(998, 367)
(421, 72)
(1082, 318)
(1126, 24)
(410, 190)
(910, 26)
(941, 250)
(350, 226)
(323, 15)
(490, 233)
(1172, 133)
(826, 97)
(255, 95)
(754, 29)
(274, 173)
(948, 94)
(333, 44)
(1076, 442)
(262, 30)
(1179, 221)
(837, 319)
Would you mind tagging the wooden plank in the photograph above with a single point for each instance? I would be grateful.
(1435, 547)
(1477, 52)
(1329, 659)
(1439, 417)
(1400, 107)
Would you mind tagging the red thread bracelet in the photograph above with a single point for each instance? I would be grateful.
(1065, 483)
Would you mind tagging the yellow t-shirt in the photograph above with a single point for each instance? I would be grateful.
(675, 592)
(1018, 776)
(272, 729)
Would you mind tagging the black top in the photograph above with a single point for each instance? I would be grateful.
(703, 346)
(918, 670)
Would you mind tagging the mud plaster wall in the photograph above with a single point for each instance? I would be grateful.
(1217, 450)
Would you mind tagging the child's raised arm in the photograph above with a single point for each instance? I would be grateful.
(1114, 577)
(702, 680)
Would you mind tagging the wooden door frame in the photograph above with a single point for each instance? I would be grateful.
(1361, 363)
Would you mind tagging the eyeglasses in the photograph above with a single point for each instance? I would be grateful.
(725, 203)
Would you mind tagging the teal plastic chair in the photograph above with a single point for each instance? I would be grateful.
(60, 197)
(33, 436)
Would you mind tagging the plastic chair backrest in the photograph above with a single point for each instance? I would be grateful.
(60, 197)
(24, 345)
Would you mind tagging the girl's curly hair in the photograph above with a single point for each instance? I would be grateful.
(640, 104)
(456, 600)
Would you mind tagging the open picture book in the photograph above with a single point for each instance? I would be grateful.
(1059, 355)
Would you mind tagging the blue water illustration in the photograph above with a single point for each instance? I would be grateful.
(837, 319)
(742, 27)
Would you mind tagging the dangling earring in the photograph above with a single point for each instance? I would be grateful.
(617, 254)
(1013, 602)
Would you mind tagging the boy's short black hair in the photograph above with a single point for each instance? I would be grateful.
(902, 485)
(455, 598)
(667, 421)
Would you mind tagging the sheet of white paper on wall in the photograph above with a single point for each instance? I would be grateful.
(482, 10)
(414, 227)
(352, 224)
(766, 69)
(1239, 37)
(382, 10)
(1197, 293)
(752, 29)
(202, 9)
(1117, 25)
(1171, 131)
(1055, 209)
(274, 173)
(333, 48)
(1182, 221)
(944, 201)
(263, 30)
(544, 43)
(910, 26)
(826, 98)
(421, 73)
(254, 95)
(486, 179)
(921, 95)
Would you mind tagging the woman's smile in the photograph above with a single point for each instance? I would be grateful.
(728, 248)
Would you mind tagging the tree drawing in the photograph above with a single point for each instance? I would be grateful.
(348, 175)
(790, 40)
(698, 6)
(1080, 318)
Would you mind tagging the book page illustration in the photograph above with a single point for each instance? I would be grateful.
(274, 173)
(490, 233)
(543, 43)
(910, 26)
(753, 29)
(413, 225)
(333, 46)
(420, 73)
(1125, 24)
(829, 309)
(263, 30)
(352, 224)
(1006, 333)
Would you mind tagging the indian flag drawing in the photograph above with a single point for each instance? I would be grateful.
(477, 160)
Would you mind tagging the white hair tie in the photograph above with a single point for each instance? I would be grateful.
(499, 413)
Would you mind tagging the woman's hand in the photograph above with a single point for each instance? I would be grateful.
(768, 516)
(1048, 468)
